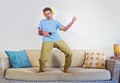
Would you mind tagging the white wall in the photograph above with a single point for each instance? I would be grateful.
(97, 27)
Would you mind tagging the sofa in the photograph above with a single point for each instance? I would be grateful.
(54, 73)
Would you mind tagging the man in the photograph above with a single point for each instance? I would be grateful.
(48, 29)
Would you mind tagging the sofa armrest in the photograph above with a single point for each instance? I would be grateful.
(4, 63)
(114, 67)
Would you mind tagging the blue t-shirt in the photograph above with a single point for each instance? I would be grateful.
(50, 26)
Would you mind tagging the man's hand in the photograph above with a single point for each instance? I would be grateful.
(45, 33)
(74, 19)
(69, 25)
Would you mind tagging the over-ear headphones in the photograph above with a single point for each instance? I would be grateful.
(51, 10)
(48, 8)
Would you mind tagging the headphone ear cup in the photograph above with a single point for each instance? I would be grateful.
(43, 14)
(52, 13)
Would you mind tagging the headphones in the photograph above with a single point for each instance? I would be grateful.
(52, 12)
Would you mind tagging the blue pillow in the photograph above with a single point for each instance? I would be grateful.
(18, 59)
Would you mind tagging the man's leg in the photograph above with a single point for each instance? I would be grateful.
(45, 52)
(67, 51)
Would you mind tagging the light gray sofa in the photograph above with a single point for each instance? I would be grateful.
(54, 72)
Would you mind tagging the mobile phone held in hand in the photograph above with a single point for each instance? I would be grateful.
(50, 33)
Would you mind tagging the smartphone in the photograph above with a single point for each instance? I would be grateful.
(50, 33)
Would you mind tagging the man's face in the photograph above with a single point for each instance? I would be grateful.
(48, 14)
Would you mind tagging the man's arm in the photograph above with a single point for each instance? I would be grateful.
(65, 28)
(43, 33)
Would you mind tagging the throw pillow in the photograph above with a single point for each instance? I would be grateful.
(18, 59)
(94, 59)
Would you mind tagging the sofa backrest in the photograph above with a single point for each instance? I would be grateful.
(56, 58)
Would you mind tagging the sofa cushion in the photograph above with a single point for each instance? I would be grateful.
(18, 59)
(57, 74)
(33, 56)
(56, 58)
(94, 59)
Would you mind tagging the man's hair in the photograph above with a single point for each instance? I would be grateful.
(47, 9)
